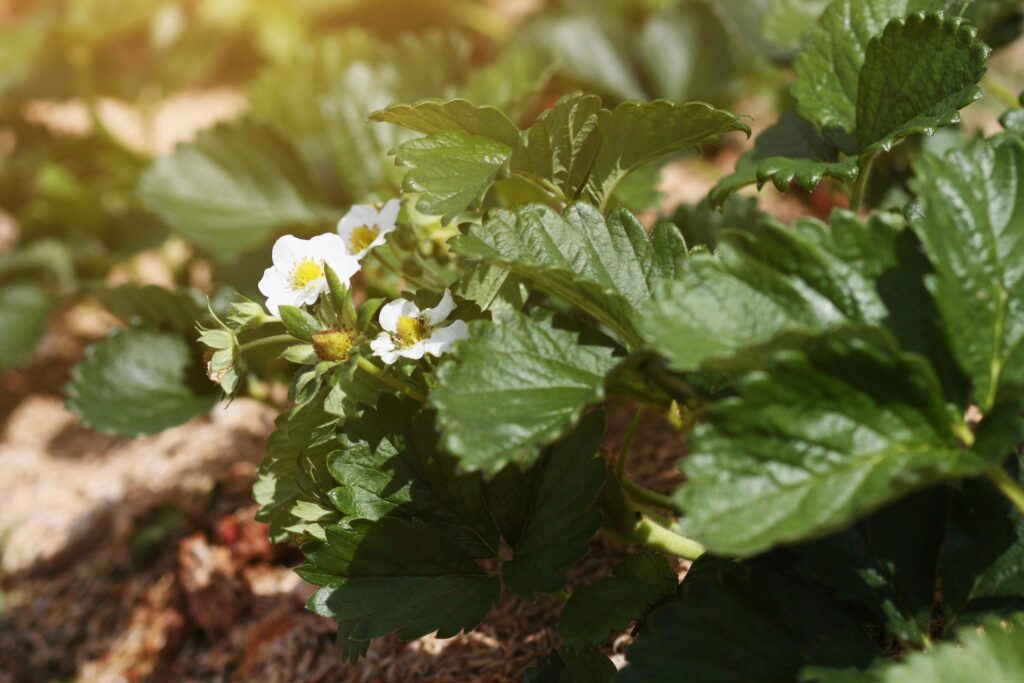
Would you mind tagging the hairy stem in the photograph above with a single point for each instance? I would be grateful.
(1007, 486)
(653, 535)
(642, 494)
(1000, 91)
(401, 276)
(269, 341)
(628, 441)
(392, 382)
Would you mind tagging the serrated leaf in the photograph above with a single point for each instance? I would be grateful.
(547, 513)
(393, 575)
(388, 466)
(637, 133)
(152, 306)
(739, 622)
(993, 653)
(605, 267)
(600, 608)
(831, 428)
(24, 312)
(138, 382)
(452, 171)
(514, 386)
(233, 188)
(432, 117)
(769, 280)
(972, 229)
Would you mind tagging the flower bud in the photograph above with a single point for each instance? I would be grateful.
(333, 345)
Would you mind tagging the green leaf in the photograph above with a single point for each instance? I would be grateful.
(24, 312)
(608, 605)
(605, 267)
(572, 666)
(299, 323)
(514, 386)
(152, 306)
(233, 188)
(138, 382)
(701, 224)
(745, 622)
(856, 80)
(769, 280)
(994, 653)
(512, 82)
(431, 117)
(394, 575)
(452, 171)
(388, 465)
(547, 513)
(972, 229)
(637, 133)
(833, 427)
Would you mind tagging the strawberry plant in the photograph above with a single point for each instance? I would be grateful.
(453, 267)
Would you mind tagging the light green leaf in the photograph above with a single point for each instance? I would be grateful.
(24, 312)
(233, 188)
(513, 387)
(994, 654)
(605, 267)
(512, 82)
(831, 428)
(138, 382)
(972, 229)
(600, 608)
(547, 514)
(431, 117)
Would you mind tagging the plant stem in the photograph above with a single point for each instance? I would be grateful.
(642, 494)
(401, 276)
(1000, 91)
(661, 538)
(1007, 486)
(393, 382)
(857, 195)
(628, 441)
(268, 341)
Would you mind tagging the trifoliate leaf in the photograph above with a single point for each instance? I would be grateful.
(605, 267)
(452, 171)
(599, 609)
(232, 188)
(24, 311)
(138, 382)
(513, 387)
(993, 653)
(768, 280)
(832, 427)
(388, 465)
(547, 513)
(394, 575)
(637, 133)
(152, 306)
(741, 622)
(972, 229)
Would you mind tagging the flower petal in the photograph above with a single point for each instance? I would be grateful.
(438, 314)
(359, 214)
(443, 338)
(415, 352)
(272, 282)
(384, 348)
(287, 250)
(387, 216)
(393, 310)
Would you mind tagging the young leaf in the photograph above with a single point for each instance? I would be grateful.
(605, 267)
(599, 609)
(547, 513)
(232, 188)
(972, 229)
(138, 382)
(740, 622)
(513, 387)
(24, 311)
(393, 575)
(834, 426)
(993, 653)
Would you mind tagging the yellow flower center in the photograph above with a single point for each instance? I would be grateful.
(362, 237)
(333, 345)
(410, 330)
(306, 272)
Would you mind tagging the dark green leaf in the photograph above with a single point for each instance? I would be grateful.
(24, 312)
(138, 382)
(599, 609)
(513, 387)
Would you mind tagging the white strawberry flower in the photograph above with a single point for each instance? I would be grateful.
(411, 333)
(365, 227)
(298, 277)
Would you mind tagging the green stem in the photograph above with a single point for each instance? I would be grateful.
(393, 382)
(642, 494)
(401, 276)
(658, 537)
(860, 185)
(1000, 91)
(628, 441)
(269, 341)
(1007, 486)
